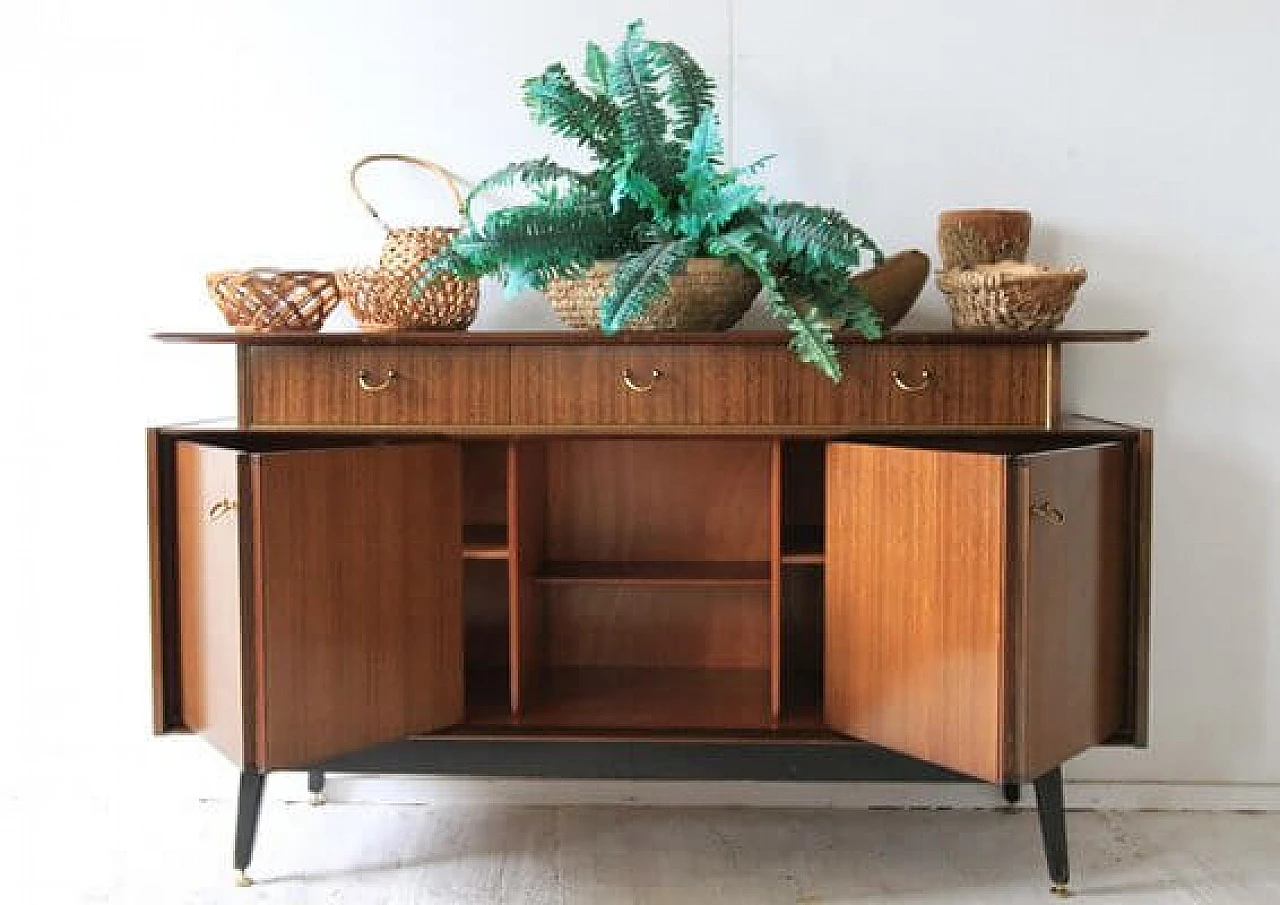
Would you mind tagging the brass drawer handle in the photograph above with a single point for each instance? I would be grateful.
(370, 385)
(223, 507)
(926, 379)
(629, 381)
(1049, 512)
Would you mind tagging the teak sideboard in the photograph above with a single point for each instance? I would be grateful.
(653, 556)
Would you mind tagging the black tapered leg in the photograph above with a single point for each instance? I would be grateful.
(1053, 827)
(1012, 792)
(250, 805)
(315, 785)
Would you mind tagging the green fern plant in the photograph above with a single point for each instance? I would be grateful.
(659, 194)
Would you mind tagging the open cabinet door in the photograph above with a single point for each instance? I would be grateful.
(319, 596)
(976, 601)
(357, 597)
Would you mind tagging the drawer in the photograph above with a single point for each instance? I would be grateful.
(919, 386)
(579, 386)
(377, 385)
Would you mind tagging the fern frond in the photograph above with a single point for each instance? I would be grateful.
(641, 278)
(818, 237)
(690, 91)
(535, 174)
(812, 341)
(597, 68)
(633, 79)
(742, 246)
(705, 152)
(556, 101)
(631, 183)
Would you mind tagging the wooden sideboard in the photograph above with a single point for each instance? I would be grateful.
(656, 556)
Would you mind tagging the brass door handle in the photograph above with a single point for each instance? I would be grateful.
(1049, 512)
(370, 385)
(223, 507)
(629, 381)
(926, 379)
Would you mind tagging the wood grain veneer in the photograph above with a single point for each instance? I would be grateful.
(657, 500)
(321, 386)
(778, 338)
(914, 602)
(623, 625)
(584, 385)
(965, 386)
(1067, 624)
(358, 605)
(212, 628)
(527, 507)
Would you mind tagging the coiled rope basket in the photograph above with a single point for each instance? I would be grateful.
(387, 297)
(709, 294)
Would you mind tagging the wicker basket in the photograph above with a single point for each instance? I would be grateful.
(266, 299)
(709, 294)
(382, 298)
(967, 238)
(387, 297)
(1010, 296)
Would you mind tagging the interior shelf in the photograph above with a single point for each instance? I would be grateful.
(655, 573)
(485, 542)
(803, 545)
(641, 698)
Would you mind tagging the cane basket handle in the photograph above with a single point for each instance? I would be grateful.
(452, 180)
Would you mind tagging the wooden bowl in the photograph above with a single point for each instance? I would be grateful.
(982, 236)
(893, 287)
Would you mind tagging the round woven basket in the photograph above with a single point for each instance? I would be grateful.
(710, 294)
(982, 236)
(266, 299)
(389, 297)
(383, 298)
(1010, 296)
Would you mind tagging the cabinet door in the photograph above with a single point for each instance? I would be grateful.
(357, 597)
(966, 623)
(213, 697)
(318, 597)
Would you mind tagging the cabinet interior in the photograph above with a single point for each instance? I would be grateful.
(643, 583)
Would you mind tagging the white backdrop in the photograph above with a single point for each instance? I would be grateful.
(146, 143)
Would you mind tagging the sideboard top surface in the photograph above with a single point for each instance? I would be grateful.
(637, 337)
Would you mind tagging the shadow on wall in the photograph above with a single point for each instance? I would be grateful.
(1212, 533)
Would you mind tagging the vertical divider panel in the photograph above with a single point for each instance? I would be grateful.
(526, 509)
(775, 581)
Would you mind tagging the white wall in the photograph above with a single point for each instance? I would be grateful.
(146, 143)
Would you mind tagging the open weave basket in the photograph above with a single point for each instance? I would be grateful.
(710, 294)
(387, 297)
(265, 299)
(1010, 295)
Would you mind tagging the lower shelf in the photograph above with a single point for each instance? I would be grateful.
(640, 698)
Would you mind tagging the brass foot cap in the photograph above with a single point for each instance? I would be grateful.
(1061, 890)
(243, 879)
(317, 798)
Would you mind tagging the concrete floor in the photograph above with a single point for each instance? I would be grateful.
(179, 852)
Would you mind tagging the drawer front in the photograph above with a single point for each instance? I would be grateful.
(581, 386)
(378, 386)
(918, 386)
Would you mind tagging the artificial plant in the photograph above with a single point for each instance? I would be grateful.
(660, 194)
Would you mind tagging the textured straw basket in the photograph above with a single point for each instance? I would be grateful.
(1010, 296)
(967, 238)
(266, 299)
(383, 297)
(709, 295)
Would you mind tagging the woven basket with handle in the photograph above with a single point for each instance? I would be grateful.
(387, 297)
(266, 299)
